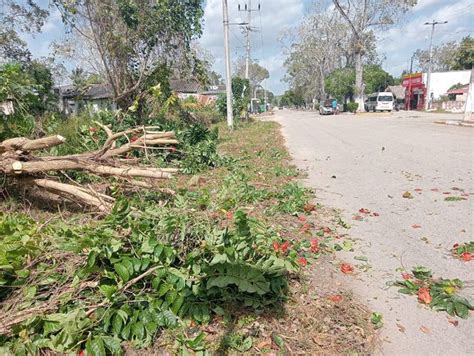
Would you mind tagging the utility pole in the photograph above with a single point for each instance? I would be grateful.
(428, 77)
(409, 83)
(469, 101)
(248, 28)
(228, 86)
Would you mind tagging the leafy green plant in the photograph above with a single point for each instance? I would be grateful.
(352, 106)
(377, 320)
(464, 251)
(438, 294)
(292, 198)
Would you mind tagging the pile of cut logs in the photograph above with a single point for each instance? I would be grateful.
(17, 160)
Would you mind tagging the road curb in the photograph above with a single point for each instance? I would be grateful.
(454, 123)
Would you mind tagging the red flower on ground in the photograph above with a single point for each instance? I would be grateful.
(406, 275)
(276, 246)
(424, 295)
(284, 246)
(364, 211)
(305, 227)
(456, 245)
(347, 268)
(467, 256)
(302, 218)
(327, 230)
(302, 261)
(357, 217)
(229, 215)
(418, 190)
(375, 214)
(416, 226)
(434, 189)
(314, 245)
(309, 207)
(336, 298)
(92, 129)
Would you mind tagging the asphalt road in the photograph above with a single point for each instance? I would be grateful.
(369, 161)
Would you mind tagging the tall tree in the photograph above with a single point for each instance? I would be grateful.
(134, 39)
(319, 45)
(257, 73)
(363, 16)
(26, 16)
(442, 59)
(464, 57)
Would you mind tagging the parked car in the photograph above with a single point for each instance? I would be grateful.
(326, 107)
(382, 101)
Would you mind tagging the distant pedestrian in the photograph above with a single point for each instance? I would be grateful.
(334, 106)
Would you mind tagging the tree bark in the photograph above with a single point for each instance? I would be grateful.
(25, 144)
(359, 85)
(17, 161)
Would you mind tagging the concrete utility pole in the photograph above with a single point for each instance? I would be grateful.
(428, 77)
(469, 101)
(228, 87)
(248, 29)
(409, 84)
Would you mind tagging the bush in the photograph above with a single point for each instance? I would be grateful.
(352, 106)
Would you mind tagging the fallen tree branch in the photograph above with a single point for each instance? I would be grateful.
(17, 161)
(26, 145)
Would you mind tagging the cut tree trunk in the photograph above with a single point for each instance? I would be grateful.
(359, 88)
(17, 161)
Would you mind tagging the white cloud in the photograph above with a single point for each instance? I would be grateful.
(274, 17)
(398, 43)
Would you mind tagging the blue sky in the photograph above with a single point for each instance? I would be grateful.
(396, 45)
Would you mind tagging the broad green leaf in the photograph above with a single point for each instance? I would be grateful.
(122, 271)
(461, 310)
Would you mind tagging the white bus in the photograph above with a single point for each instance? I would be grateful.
(379, 102)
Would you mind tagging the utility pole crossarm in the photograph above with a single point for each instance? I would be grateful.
(248, 28)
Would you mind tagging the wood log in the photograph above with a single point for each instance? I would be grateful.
(24, 144)
(31, 167)
(68, 191)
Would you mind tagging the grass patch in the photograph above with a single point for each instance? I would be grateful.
(219, 266)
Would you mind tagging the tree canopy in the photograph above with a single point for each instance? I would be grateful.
(340, 83)
(15, 16)
(134, 39)
(257, 73)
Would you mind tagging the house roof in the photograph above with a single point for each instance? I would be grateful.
(94, 91)
(397, 90)
(459, 91)
(185, 86)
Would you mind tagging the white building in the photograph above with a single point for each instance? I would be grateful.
(442, 81)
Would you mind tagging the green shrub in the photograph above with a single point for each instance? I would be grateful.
(352, 106)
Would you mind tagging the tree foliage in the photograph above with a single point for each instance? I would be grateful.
(16, 16)
(341, 82)
(464, 58)
(257, 73)
(240, 97)
(133, 39)
(447, 56)
(363, 17)
(293, 98)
